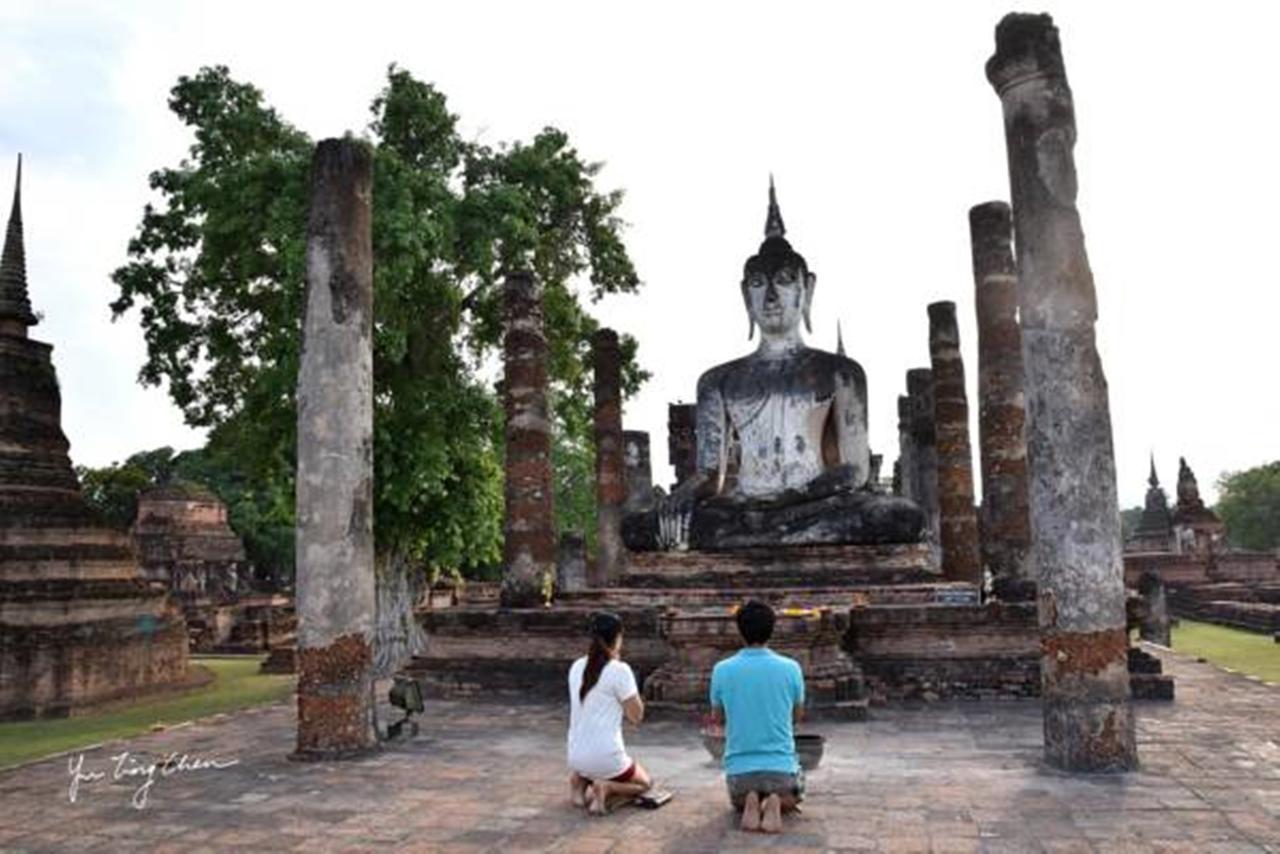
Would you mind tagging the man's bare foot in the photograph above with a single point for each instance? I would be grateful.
(598, 797)
(771, 815)
(751, 813)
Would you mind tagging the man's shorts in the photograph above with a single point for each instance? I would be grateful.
(765, 783)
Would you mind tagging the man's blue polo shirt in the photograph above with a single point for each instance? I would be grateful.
(757, 688)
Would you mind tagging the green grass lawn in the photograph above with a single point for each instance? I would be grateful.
(1248, 652)
(237, 684)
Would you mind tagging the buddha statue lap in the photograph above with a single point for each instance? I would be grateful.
(781, 435)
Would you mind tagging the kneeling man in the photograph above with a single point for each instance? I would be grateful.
(757, 694)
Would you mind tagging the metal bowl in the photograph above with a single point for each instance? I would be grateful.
(809, 748)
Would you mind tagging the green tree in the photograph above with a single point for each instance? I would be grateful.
(216, 271)
(1129, 520)
(1249, 504)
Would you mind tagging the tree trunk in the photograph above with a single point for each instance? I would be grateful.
(397, 635)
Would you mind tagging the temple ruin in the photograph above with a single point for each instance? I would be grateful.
(79, 623)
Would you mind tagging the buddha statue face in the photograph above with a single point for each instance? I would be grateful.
(777, 302)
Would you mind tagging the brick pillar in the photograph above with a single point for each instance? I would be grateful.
(336, 599)
(1006, 521)
(529, 544)
(1075, 520)
(571, 563)
(682, 439)
(958, 521)
(611, 481)
(923, 476)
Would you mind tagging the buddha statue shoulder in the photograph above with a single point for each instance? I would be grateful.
(781, 433)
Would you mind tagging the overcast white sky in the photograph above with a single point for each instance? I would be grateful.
(876, 120)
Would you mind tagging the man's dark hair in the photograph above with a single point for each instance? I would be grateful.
(755, 622)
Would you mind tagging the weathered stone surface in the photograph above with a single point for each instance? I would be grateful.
(335, 572)
(79, 623)
(1005, 521)
(639, 472)
(918, 445)
(611, 482)
(1075, 520)
(571, 563)
(957, 518)
(1154, 625)
(682, 440)
(529, 546)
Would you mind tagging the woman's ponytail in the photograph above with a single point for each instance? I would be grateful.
(604, 628)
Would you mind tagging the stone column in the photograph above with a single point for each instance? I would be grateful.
(1075, 520)
(682, 440)
(571, 563)
(611, 482)
(529, 530)
(904, 466)
(1154, 626)
(923, 476)
(1006, 521)
(334, 570)
(957, 519)
(635, 455)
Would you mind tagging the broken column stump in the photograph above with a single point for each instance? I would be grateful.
(335, 574)
(1005, 520)
(529, 537)
(957, 518)
(611, 484)
(1075, 522)
(920, 482)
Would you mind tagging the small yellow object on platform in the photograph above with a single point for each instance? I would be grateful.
(800, 612)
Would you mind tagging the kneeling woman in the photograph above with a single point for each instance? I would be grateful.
(602, 689)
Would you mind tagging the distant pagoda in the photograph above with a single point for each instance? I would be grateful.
(1155, 530)
(78, 624)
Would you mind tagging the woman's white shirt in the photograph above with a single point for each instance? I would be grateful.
(595, 724)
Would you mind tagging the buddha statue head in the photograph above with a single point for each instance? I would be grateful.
(777, 286)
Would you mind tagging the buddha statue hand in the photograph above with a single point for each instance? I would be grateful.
(673, 525)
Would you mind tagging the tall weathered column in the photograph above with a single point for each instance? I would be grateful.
(957, 518)
(682, 440)
(639, 472)
(529, 529)
(923, 476)
(611, 480)
(334, 572)
(1006, 521)
(1075, 520)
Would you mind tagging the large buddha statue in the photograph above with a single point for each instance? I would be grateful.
(781, 434)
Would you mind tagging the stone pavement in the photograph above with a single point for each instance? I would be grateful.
(489, 777)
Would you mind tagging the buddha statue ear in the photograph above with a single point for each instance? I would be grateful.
(751, 320)
(809, 281)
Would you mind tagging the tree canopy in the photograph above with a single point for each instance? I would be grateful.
(216, 272)
(1249, 504)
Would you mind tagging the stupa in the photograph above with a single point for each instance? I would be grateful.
(78, 622)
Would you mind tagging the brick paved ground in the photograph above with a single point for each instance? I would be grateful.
(945, 777)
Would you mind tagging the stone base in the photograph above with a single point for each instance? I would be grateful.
(833, 682)
(783, 567)
(78, 625)
(1147, 681)
(937, 651)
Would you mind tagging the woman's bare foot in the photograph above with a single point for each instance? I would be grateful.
(598, 797)
(751, 813)
(578, 791)
(771, 815)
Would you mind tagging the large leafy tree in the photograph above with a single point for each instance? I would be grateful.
(1249, 504)
(216, 270)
